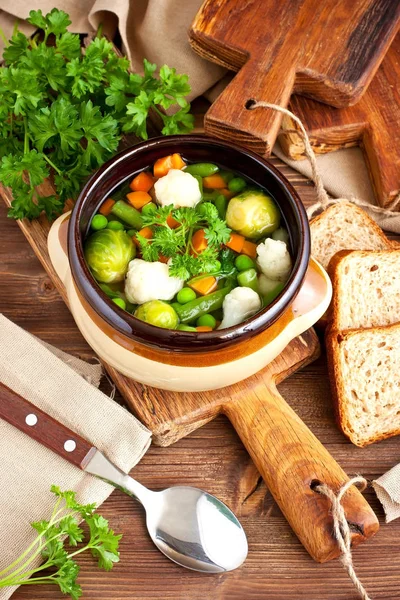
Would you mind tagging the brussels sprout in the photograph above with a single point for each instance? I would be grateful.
(159, 313)
(253, 214)
(108, 254)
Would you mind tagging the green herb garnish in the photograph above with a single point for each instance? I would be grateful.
(176, 243)
(55, 543)
(63, 110)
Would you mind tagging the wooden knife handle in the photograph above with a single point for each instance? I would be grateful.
(291, 460)
(26, 417)
(229, 118)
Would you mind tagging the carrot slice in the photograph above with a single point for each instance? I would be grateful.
(138, 199)
(146, 232)
(162, 258)
(142, 182)
(105, 208)
(227, 193)
(162, 166)
(204, 328)
(250, 249)
(214, 182)
(199, 241)
(204, 286)
(236, 242)
(177, 162)
(171, 222)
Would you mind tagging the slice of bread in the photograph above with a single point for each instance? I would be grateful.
(366, 288)
(365, 379)
(344, 226)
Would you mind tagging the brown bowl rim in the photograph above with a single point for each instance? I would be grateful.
(167, 339)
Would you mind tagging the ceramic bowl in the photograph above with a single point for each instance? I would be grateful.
(179, 360)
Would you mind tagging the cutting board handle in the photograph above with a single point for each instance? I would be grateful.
(229, 116)
(292, 460)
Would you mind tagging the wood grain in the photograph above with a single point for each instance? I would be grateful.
(213, 457)
(373, 123)
(326, 50)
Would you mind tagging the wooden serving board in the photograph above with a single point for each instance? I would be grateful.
(373, 123)
(328, 50)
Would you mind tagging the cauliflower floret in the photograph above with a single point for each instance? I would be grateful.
(267, 285)
(147, 281)
(240, 304)
(274, 259)
(177, 188)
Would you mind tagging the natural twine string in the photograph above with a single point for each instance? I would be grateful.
(340, 525)
(341, 528)
(323, 200)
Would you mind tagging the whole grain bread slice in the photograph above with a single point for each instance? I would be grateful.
(364, 367)
(344, 226)
(366, 288)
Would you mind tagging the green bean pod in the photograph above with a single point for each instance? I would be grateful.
(202, 169)
(193, 310)
(221, 204)
(249, 279)
(128, 214)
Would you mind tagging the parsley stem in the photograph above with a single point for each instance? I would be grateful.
(3, 37)
(57, 170)
(26, 137)
(99, 32)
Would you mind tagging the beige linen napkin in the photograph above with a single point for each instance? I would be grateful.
(28, 469)
(387, 488)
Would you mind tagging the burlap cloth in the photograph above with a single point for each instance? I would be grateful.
(63, 386)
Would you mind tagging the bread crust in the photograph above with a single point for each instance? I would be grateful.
(333, 339)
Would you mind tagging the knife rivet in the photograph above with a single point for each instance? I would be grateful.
(69, 446)
(31, 420)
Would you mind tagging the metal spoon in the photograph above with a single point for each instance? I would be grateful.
(190, 526)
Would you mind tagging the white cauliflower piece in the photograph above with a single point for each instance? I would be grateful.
(267, 285)
(147, 281)
(274, 259)
(240, 304)
(177, 188)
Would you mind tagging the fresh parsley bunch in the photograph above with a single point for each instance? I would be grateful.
(176, 243)
(63, 110)
(54, 537)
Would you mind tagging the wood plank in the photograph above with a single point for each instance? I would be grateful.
(326, 50)
(373, 123)
(213, 457)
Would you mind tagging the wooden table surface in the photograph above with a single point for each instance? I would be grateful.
(277, 568)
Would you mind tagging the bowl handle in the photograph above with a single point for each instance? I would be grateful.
(57, 246)
(292, 461)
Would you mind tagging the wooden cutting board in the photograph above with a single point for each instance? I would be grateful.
(373, 123)
(287, 454)
(328, 50)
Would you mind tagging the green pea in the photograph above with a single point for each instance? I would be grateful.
(202, 169)
(186, 328)
(206, 320)
(249, 279)
(99, 222)
(115, 225)
(186, 294)
(120, 302)
(237, 184)
(131, 232)
(221, 204)
(243, 262)
(149, 209)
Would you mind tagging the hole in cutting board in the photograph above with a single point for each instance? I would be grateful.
(314, 484)
(249, 104)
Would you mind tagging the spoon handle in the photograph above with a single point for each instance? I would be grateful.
(43, 428)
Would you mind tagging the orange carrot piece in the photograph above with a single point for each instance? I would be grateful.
(199, 241)
(204, 328)
(162, 258)
(146, 232)
(142, 182)
(171, 222)
(250, 249)
(162, 166)
(227, 193)
(236, 242)
(204, 286)
(105, 208)
(214, 182)
(177, 162)
(138, 199)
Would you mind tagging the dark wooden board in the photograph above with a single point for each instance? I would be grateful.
(214, 458)
(373, 123)
(326, 50)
